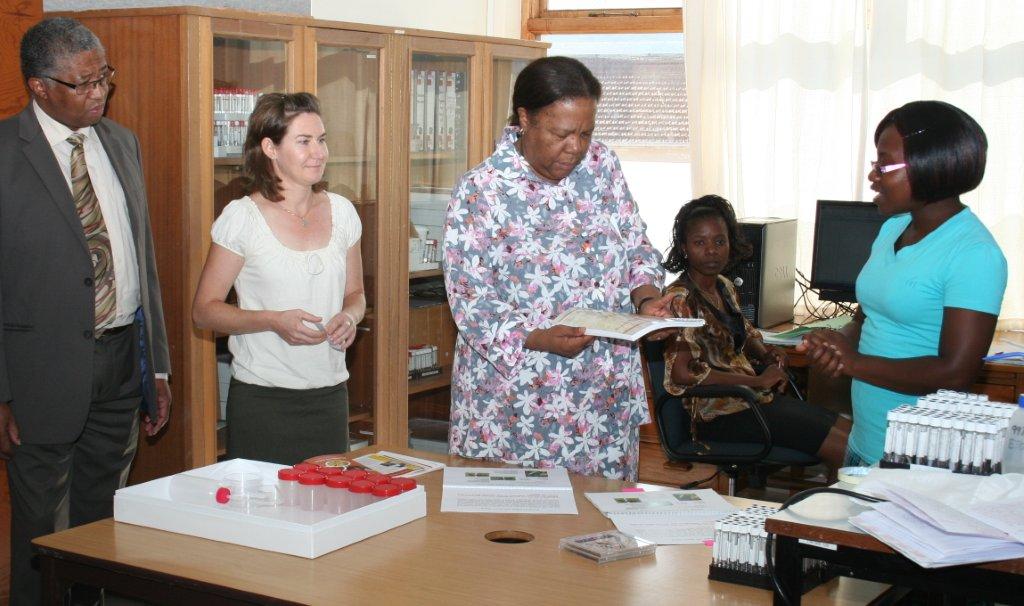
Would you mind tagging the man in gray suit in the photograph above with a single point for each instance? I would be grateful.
(83, 344)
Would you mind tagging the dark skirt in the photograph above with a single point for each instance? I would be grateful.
(286, 426)
(794, 424)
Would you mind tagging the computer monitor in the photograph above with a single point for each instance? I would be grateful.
(843, 233)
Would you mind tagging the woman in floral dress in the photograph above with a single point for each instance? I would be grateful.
(547, 223)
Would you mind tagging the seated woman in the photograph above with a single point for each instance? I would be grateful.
(931, 290)
(706, 242)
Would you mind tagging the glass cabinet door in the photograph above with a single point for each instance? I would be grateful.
(243, 69)
(439, 148)
(348, 86)
(504, 72)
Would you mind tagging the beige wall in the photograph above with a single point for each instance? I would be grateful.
(480, 17)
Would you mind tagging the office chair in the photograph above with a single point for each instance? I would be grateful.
(673, 421)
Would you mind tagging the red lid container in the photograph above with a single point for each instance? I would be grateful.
(311, 479)
(356, 474)
(376, 478)
(386, 490)
(329, 471)
(360, 487)
(289, 474)
(338, 481)
(304, 467)
(406, 484)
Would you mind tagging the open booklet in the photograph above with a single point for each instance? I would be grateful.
(615, 325)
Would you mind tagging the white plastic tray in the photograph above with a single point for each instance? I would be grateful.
(309, 535)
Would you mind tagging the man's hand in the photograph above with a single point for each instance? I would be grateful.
(163, 409)
(9, 435)
(566, 341)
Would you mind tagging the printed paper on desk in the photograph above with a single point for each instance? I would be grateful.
(668, 529)
(507, 490)
(683, 502)
(393, 464)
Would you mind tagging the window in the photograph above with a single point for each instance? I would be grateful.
(635, 48)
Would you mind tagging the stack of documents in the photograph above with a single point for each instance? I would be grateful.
(665, 517)
(939, 520)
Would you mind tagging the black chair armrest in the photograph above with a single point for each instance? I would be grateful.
(717, 391)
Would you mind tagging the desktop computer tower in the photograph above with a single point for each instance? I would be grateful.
(768, 277)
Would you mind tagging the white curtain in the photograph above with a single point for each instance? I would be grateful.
(784, 97)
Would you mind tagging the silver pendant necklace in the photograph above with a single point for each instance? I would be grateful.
(302, 218)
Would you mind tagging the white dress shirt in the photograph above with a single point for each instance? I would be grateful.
(112, 204)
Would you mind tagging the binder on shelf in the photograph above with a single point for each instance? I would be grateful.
(419, 108)
(428, 113)
(451, 108)
(459, 119)
(440, 114)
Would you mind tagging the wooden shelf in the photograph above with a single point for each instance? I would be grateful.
(445, 156)
(230, 161)
(432, 382)
(362, 416)
(425, 273)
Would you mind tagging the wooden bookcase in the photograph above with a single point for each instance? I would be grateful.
(169, 63)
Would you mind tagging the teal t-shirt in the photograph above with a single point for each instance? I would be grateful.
(903, 295)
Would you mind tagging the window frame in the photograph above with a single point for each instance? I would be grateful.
(538, 20)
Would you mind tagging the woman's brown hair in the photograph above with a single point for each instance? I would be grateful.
(269, 120)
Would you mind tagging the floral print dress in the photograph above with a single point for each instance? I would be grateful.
(518, 251)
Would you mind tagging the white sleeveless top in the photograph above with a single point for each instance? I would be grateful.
(275, 277)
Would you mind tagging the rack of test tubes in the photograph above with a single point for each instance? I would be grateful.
(963, 432)
(738, 554)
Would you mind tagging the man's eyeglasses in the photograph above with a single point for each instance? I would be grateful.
(887, 168)
(85, 87)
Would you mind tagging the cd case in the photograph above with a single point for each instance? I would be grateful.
(607, 546)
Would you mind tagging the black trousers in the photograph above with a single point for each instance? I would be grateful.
(56, 486)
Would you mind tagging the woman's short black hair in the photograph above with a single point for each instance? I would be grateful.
(551, 79)
(702, 208)
(943, 147)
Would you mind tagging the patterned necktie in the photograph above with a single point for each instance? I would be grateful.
(96, 235)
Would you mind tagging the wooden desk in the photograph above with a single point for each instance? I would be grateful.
(441, 559)
(865, 557)
(1001, 382)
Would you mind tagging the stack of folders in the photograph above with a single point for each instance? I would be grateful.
(607, 546)
(941, 519)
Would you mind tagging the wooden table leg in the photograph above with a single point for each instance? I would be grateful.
(54, 586)
(788, 571)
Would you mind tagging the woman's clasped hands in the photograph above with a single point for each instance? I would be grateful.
(299, 327)
(828, 351)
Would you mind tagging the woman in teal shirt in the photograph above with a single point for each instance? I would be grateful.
(931, 290)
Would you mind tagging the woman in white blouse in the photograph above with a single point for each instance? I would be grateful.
(291, 250)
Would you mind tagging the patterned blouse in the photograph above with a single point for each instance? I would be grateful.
(518, 251)
(712, 346)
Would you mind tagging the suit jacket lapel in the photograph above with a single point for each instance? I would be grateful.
(40, 156)
(124, 169)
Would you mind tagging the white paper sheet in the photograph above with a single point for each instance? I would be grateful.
(667, 529)
(507, 490)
